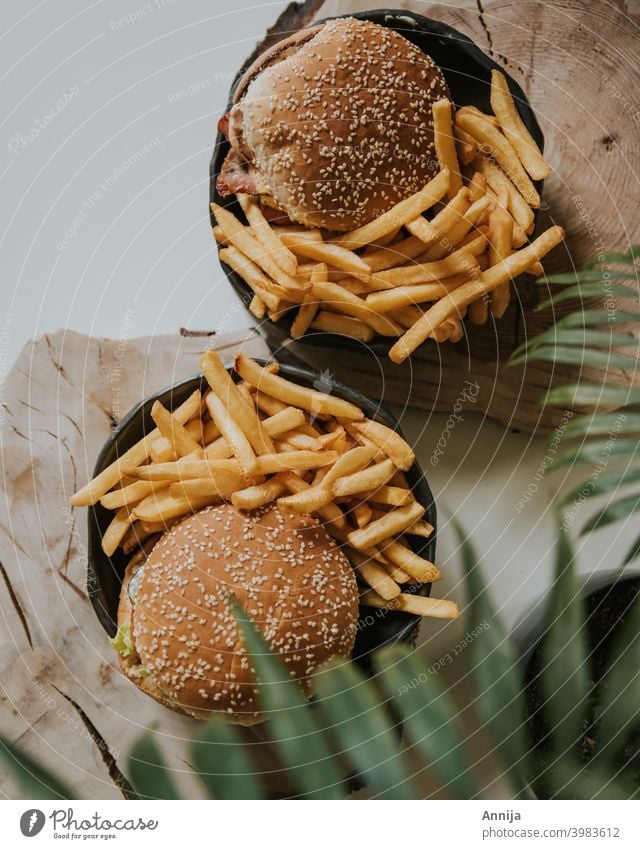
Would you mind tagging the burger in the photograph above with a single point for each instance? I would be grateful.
(178, 638)
(333, 125)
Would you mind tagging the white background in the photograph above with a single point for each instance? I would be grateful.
(143, 246)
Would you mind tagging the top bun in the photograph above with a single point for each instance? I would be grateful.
(287, 573)
(337, 122)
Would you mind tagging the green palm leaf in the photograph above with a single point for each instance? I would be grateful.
(615, 512)
(591, 394)
(582, 357)
(148, 772)
(427, 714)
(602, 424)
(565, 675)
(36, 781)
(367, 737)
(586, 276)
(570, 779)
(494, 669)
(584, 292)
(301, 742)
(221, 760)
(598, 452)
(606, 482)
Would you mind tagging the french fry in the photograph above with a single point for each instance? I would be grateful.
(116, 530)
(514, 129)
(362, 513)
(416, 604)
(353, 461)
(294, 394)
(479, 311)
(470, 221)
(307, 500)
(491, 139)
(257, 307)
(330, 254)
(467, 147)
(429, 271)
(489, 280)
(420, 569)
(389, 525)
(162, 450)
(267, 464)
(388, 257)
(412, 294)
(398, 574)
(310, 305)
(365, 480)
(297, 229)
(343, 325)
(501, 228)
(404, 211)
(162, 507)
(394, 496)
(336, 298)
(135, 456)
(445, 144)
(130, 494)
(232, 432)
(239, 409)
(331, 513)
(373, 574)
(508, 195)
(253, 276)
(187, 469)
(268, 235)
(172, 430)
(420, 529)
(388, 441)
(477, 186)
(242, 239)
(258, 495)
(429, 231)
(221, 485)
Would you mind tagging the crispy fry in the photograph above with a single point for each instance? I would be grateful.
(353, 461)
(268, 235)
(416, 604)
(336, 298)
(394, 496)
(501, 227)
(429, 231)
(470, 221)
(343, 325)
(395, 254)
(445, 144)
(291, 393)
(222, 485)
(469, 292)
(388, 441)
(253, 276)
(116, 530)
(430, 271)
(420, 569)
(307, 500)
(362, 513)
(267, 464)
(331, 513)
(420, 529)
(162, 450)
(479, 310)
(161, 507)
(508, 195)
(373, 574)
(257, 307)
(239, 409)
(388, 525)
(514, 129)
(242, 239)
(187, 469)
(491, 139)
(404, 211)
(232, 432)
(330, 254)
(136, 455)
(172, 430)
(310, 305)
(467, 147)
(365, 480)
(256, 496)
(131, 494)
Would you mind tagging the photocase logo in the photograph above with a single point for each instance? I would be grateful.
(32, 822)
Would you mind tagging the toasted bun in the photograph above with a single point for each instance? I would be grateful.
(337, 121)
(285, 571)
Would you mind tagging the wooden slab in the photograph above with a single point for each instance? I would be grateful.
(62, 696)
(577, 63)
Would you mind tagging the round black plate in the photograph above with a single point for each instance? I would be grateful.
(467, 71)
(104, 575)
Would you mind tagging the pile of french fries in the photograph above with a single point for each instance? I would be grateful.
(404, 274)
(265, 439)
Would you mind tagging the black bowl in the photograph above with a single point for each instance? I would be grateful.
(104, 575)
(467, 71)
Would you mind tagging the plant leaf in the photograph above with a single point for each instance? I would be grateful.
(221, 760)
(367, 737)
(597, 452)
(586, 275)
(586, 292)
(601, 424)
(426, 712)
(301, 742)
(581, 337)
(583, 357)
(596, 318)
(589, 394)
(565, 675)
(619, 692)
(607, 482)
(494, 669)
(570, 779)
(36, 781)
(615, 512)
(148, 773)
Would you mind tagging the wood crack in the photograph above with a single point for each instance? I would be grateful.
(18, 608)
(484, 26)
(105, 753)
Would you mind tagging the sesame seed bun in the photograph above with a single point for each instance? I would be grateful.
(337, 122)
(287, 573)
